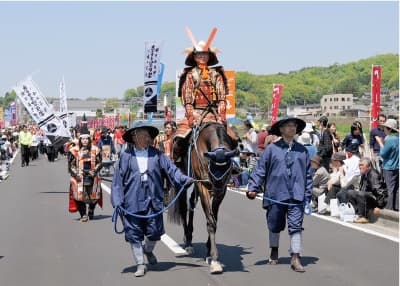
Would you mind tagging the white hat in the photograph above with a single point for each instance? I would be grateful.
(308, 127)
(391, 124)
(304, 138)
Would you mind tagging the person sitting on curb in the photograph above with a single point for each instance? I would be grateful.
(349, 174)
(334, 181)
(372, 195)
(320, 180)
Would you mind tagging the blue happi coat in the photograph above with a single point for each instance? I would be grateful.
(144, 197)
(127, 190)
(271, 172)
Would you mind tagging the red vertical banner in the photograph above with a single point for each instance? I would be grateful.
(276, 98)
(111, 122)
(375, 95)
(105, 121)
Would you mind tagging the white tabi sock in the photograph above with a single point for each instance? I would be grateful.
(295, 243)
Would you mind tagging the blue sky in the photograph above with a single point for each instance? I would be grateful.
(99, 46)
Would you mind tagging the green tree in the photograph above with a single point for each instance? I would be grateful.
(129, 94)
(8, 98)
(111, 104)
(99, 113)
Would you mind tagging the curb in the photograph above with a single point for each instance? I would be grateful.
(389, 215)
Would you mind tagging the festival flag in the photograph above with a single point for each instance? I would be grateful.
(111, 122)
(2, 120)
(41, 111)
(13, 109)
(105, 121)
(8, 117)
(151, 73)
(276, 97)
(63, 105)
(375, 95)
(230, 97)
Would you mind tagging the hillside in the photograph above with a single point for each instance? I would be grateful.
(309, 84)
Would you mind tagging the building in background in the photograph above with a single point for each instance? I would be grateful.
(333, 104)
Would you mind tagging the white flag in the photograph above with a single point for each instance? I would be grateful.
(151, 71)
(41, 111)
(63, 105)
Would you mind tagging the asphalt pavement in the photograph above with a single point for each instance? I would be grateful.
(42, 244)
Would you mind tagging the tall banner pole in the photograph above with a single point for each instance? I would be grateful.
(276, 97)
(151, 73)
(375, 95)
(63, 105)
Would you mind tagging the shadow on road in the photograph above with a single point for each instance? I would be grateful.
(305, 260)
(96, 217)
(100, 217)
(230, 256)
(162, 266)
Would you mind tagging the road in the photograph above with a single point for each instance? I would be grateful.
(42, 244)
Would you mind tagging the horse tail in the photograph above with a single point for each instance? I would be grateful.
(174, 212)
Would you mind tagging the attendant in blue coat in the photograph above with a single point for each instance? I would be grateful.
(138, 187)
(284, 171)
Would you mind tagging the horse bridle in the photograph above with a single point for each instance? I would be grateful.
(195, 136)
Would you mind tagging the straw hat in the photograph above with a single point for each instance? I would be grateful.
(139, 125)
(391, 124)
(275, 128)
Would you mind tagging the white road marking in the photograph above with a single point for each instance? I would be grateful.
(173, 245)
(335, 220)
(106, 188)
(166, 239)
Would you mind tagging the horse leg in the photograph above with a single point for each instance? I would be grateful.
(211, 217)
(189, 233)
(186, 216)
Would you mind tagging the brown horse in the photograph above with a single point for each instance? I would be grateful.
(210, 154)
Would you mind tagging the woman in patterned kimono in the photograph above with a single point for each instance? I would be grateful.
(84, 165)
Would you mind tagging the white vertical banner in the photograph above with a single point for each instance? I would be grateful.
(41, 111)
(63, 105)
(152, 68)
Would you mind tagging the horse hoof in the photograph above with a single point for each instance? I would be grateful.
(215, 267)
(189, 250)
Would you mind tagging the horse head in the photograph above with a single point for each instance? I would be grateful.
(221, 148)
